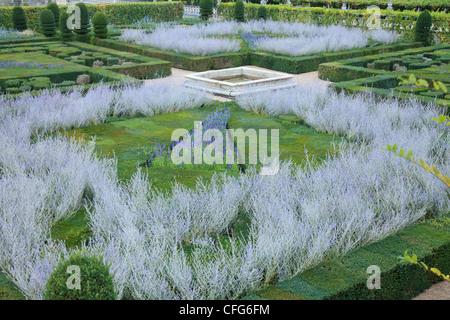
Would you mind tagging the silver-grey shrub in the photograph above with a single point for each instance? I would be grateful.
(298, 218)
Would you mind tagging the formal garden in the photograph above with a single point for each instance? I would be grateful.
(88, 178)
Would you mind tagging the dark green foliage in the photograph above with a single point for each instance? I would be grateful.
(100, 25)
(95, 280)
(53, 7)
(48, 27)
(66, 33)
(262, 13)
(82, 30)
(239, 11)
(206, 9)
(423, 28)
(19, 19)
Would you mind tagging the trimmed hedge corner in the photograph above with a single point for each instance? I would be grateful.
(345, 278)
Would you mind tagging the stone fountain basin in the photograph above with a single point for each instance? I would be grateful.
(234, 82)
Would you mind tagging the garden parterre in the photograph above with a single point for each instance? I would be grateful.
(296, 38)
(174, 245)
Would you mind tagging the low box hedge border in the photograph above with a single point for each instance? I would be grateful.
(310, 63)
(181, 61)
(354, 68)
(382, 85)
(294, 65)
(345, 278)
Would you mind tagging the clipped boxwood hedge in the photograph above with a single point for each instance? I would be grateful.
(117, 13)
(345, 278)
(432, 5)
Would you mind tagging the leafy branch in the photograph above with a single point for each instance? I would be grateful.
(412, 80)
(413, 260)
(409, 156)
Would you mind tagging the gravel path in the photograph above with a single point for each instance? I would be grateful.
(439, 291)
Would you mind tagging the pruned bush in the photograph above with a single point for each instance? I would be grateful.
(239, 11)
(423, 28)
(206, 9)
(66, 33)
(100, 23)
(262, 13)
(48, 27)
(19, 19)
(53, 7)
(82, 33)
(83, 79)
(95, 281)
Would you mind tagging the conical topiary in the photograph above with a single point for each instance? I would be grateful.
(53, 7)
(100, 25)
(239, 11)
(19, 19)
(206, 9)
(262, 13)
(47, 20)
(66, 33)
(423, 28)
(83, 31)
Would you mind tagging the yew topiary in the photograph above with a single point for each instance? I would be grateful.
(100, 23)
(53, 7)
(19, 19)
(206, 9)
(66, 33)
(262, 13)
(423, 28)
(47, 21)
(83, 31)
(239, 11)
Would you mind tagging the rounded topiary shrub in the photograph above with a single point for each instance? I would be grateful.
(53, 7)
(47, 21)
(80, 278)
(19, 19)
(83, 31)
(423, 28)
(100, 25)
(239, 11)
(66, 33)
(262, 13)
(206, 9)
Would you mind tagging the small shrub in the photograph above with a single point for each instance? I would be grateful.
(206, 9)
(97, 63)
(262, 13)
(95, 280)
(19, 19)
(239, 11)
(66, 33)
(83, 79)
(47, 20)
(53, 7)
(423, 28)
(93, 40)
(83, 31)
(100, 25)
